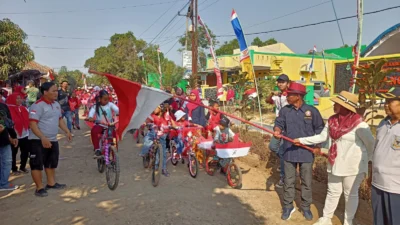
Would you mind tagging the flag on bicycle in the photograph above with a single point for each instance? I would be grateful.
(135, 101)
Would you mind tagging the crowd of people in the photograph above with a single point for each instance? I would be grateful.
(30, 118)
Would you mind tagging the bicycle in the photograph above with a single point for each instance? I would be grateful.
(221, 157)
(109, 159)
(150, 159)
(187, 153)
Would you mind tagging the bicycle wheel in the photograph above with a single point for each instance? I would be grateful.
(193, 166)
(101, 165)
(155, 177)
(146, 161)
(113, 169)
(234, 176)
(174, 156)
(210, 165)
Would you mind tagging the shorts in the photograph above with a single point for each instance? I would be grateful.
(43, 157)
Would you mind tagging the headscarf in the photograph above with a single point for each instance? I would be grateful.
(19, 114)
(339, 125)
(19, 90)
(192, 106)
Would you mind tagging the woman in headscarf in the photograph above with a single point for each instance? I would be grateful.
(194, 112)
(181, 103)
(20, 117)
(351, 147)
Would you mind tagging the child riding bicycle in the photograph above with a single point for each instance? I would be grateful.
(102, 112)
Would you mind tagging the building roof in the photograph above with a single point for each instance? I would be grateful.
(274, 48)
(32, 65)
(346, 53)
(386, 43)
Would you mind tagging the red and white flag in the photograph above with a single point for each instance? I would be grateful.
(49, 75)
(135, 101)
(233, 149)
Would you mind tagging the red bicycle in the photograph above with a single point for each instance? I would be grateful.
(188, 151)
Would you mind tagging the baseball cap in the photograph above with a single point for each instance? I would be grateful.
(283, 77)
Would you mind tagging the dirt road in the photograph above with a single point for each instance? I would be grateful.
(178, 199)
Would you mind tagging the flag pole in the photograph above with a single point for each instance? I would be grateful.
(360, 11)
(254, 74)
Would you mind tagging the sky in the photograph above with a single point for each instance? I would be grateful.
(84, 19)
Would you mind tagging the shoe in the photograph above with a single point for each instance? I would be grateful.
(72, 135)
(11, 187)
(287, 213)
(56, 186)
(323, 221)
(279, 184)
(41, 193)
(78, 127)
(97, 153)
(24, 170)
(73, 127)
(308, 215)
(165, 173)
(15, 173)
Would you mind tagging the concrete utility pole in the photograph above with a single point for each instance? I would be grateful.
(194, 5)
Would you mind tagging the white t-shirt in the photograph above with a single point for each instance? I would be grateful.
(110, 109)
(280, 102)
(224, 135)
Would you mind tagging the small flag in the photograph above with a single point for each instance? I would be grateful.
(311, 68)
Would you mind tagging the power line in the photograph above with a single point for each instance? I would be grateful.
(82, 38)
(89, 10)
(173, 18)
(208, 6)
(157, 20)
(313, 24)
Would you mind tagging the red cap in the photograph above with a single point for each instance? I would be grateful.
(296, 88)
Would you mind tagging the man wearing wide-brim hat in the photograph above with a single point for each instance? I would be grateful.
(297, 120)
(386, 164)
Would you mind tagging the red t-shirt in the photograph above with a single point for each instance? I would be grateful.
(74, 103)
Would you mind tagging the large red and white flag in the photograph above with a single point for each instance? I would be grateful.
(135, 101)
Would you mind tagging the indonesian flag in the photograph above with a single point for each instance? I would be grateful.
(233, 149)
(135, 101)
(252, 93)
(49, 75)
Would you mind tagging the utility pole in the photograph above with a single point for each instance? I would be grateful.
(194, 5)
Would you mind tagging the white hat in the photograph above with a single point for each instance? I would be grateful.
(97, 88)
(179, 114)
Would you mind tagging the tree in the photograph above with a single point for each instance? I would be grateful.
(14, 52)
(203, 42)
(258, 42)
(228, 47)
(74, 77)
(121, 58)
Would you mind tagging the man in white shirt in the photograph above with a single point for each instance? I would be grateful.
(386, 164)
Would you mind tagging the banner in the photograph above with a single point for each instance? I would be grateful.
(244, 51)
(220, 89)
(159, 66)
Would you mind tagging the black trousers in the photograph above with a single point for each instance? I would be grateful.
(386, 207)
(23, 145)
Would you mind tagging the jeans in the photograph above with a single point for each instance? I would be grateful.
(68, 116)
(289, 189)
(349, 185)
(76, 118)
(5, 165)
(179, 144)
(276, 145)
(148, 142)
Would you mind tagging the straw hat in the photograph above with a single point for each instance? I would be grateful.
(347, 100)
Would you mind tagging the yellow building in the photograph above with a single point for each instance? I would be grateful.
(273, 60)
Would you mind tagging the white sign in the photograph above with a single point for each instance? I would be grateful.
(187, 59)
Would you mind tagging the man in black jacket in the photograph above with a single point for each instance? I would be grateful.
(8, 137)
(63, 97)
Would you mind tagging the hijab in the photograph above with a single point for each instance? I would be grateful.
(19, 113)
(192, 106)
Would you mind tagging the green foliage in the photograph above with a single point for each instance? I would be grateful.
(203, 42)
(14, 52)
(74, 77)
(258, 42)
(121, 58)
(370, 79)
(228, 47)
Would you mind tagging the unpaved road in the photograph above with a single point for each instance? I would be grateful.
(178, 199)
